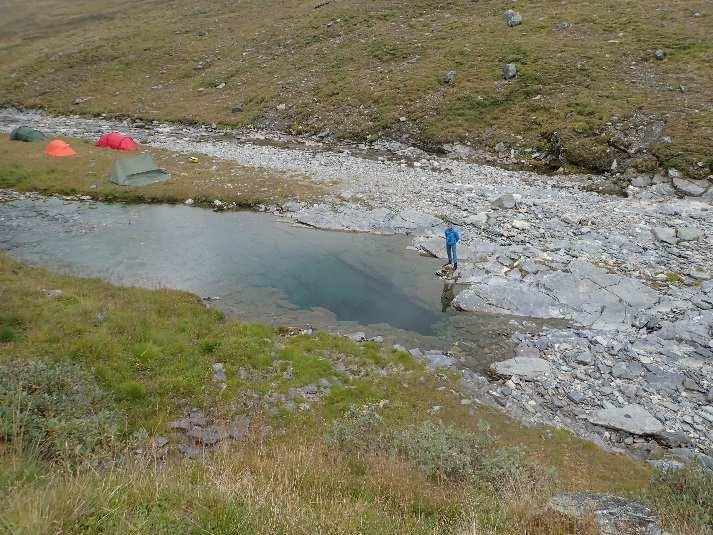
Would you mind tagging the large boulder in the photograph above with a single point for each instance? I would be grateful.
(633, 419)
(612, 515)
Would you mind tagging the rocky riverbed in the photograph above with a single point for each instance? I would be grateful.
(631, 274)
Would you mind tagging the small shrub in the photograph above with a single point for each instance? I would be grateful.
(684, 497)
(359, 429)
(55, 410)
(440, 451)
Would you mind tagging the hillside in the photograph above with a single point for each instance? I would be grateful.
(375, 69)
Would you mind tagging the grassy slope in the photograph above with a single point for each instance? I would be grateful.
(357, 67)
(25, 167)
(152, 350)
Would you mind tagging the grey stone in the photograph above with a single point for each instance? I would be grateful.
(450, 77)
(688, 233)
(665, 234)
(190, 452)
(627, 371)
(688, 456)
(509, 71)
(659, 54)
(613, 515)
(665, 465)
(310, 389)
(641, 181)
(513, 18)
(575, 396)
(436, 359)
(504, 202)
(673, 439)
(239, 427)
(692, 188)
(585, 358)
(527, 352)
(672, 173)
(664, 379)
(357, 337)
(208, 436)
(480, 219)
(529, 368)
(182, 424)
(633, 419)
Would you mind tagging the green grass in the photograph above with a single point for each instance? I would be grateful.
(91, 374)
(25, 167)
(356, 67)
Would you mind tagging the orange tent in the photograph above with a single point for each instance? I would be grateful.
(57, 147)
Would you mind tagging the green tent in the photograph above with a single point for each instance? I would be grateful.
(137, 171)
(25, 133)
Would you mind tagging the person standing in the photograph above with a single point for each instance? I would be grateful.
(452, 238)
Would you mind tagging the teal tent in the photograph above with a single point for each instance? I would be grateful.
(137, 171)
(25, 133)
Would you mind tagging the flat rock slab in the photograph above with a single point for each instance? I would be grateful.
(527, 367)
(633, 419)
(613, 515)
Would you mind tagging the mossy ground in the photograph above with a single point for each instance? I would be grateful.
(357, 67)
(25, 167)
(151, 352)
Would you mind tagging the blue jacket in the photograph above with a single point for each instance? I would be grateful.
(452, 236)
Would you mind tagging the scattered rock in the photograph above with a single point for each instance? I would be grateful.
(613, 515)
(513, 18)
(449, 78)
(509, 71)
(659, 54)
(633, 419)
(237, 109)
(357, 337)
(219, 372)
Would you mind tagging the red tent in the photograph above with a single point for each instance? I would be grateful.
(117, 141)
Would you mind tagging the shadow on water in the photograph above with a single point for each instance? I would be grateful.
(262, 269)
